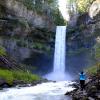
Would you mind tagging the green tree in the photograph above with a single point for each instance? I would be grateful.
(83, 5)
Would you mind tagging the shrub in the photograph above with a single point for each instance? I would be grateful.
(97, 51)
(7, 75)
(92, 70)
(10, 76)
(25, 76)
(83, 5)
(2, 51)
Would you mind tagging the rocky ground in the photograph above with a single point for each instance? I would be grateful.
(91, 91)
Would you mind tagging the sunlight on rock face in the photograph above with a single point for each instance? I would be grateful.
(98, 39)
(63, 9)
(94, 9)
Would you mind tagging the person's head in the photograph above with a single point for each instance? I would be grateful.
(82, 72)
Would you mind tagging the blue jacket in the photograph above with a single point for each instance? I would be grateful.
(82, 76)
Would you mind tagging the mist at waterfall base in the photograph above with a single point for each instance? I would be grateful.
(58, 73)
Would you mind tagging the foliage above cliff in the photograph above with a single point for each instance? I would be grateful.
(83, 5)
(36, 4)
(47, 7)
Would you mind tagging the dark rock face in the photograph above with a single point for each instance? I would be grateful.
(81, 36)
(43, 62)
(24, 32)
(17, 9)
(2, 81)
(86, 30)
(31, 51)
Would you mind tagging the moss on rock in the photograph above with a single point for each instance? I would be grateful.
(2, 51)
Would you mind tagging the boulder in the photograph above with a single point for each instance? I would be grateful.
(4, 84)
(92, 90)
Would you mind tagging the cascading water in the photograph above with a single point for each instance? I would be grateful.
(59, 55)
(59, 73)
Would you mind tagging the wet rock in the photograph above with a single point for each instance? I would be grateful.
(2, 81)
(22, 85)
(18, 82)
(39, 81)
(36, 82)
(80, 98)
(90, 98)
(1, 88)
(98, 96)
(4, 84)
(71, 93)
(76, 85)
(80, 95)
(92, 91)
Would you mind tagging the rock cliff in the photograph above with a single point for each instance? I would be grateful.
(26, 28)
(86, 30)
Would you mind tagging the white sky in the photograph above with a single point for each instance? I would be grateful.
(63, 9)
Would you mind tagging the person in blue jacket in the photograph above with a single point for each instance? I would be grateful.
(82, 80)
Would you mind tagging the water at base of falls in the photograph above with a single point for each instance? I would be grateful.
(44, 91)
(58, 76)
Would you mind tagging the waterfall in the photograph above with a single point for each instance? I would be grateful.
(59, 73)
(59, 54)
